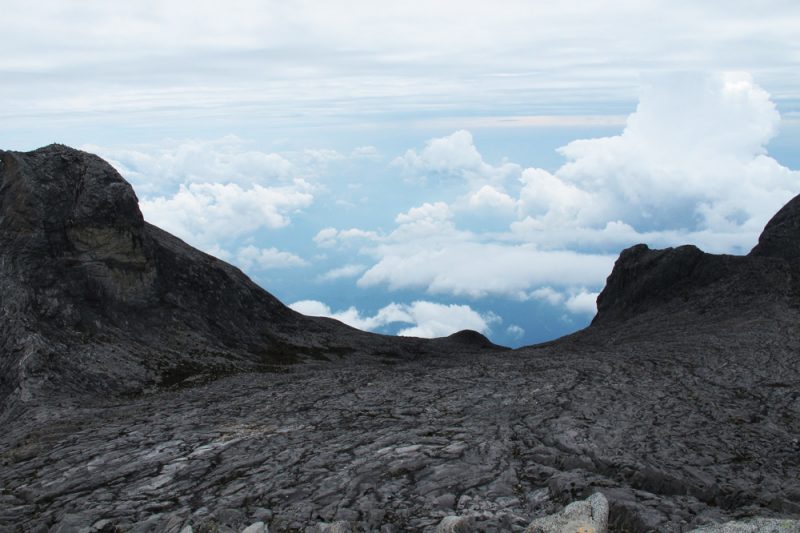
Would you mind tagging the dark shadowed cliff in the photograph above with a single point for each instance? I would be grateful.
(146, 386)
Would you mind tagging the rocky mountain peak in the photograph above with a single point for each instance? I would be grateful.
(93, 299)
(642, 277)
(781, 236)
(58, 186)
(67, 218)
(687, 280)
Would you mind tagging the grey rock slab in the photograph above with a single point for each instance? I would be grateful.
(456, 524)
(586, 516)
(257, 527)
(340, 526)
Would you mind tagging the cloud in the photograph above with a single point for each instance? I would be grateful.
(690, 166)
(456, 156)
(547, 294)
(426, 251)
(692, 157)
(582, 302)
(429, 221)
(437, 320)
(321, 157)
(515, 332)
(87, 71)
(331, 237)
(304, 62)
(346, 271)
(365, 152)
(427, 319)
(488, 197)
(230, 159)
(251, 257)
(574, 300)
(551, 201)
(204, 214)
(479, 269)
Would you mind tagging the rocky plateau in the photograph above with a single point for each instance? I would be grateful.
(147, 386)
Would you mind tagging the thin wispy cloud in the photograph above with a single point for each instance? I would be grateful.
(302, 60)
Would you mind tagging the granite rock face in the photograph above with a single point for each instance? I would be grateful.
(586, 516)
(95, 301)
(683, 282)
(146, 386)
(779, 238)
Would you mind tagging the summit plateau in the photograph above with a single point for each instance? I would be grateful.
(147, 386)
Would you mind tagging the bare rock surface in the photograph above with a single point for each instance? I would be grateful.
(149, 387)
(756, 525)
(779, 238)
(584, 516)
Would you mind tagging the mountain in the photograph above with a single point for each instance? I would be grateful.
(96, 301)
(146, 386)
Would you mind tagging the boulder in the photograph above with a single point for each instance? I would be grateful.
(585, 516)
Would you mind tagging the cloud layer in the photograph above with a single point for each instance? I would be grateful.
(442, 220)
(691, 166)
(309, 62)
(426, 319)
(205, 213)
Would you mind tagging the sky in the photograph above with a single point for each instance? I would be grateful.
(421, 168)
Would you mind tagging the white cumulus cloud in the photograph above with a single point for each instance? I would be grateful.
(331, 237)
(456, 156)
(203, 214)
(515, 332)
(692, 156)
(230, 159)
(574, 300)
(426, 319)
(479, 269)
(491, 198)
(691, 166)
(346, 271)
(582, 302)
(251, 257)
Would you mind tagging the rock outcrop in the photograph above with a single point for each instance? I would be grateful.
(146, 386)
(779, 238)
(96, 301)
(686, 281)
(586, 516)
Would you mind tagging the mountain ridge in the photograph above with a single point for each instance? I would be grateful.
(80, 265)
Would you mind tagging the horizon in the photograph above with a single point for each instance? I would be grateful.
(472, 174)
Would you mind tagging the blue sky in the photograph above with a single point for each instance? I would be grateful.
(423, 168)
